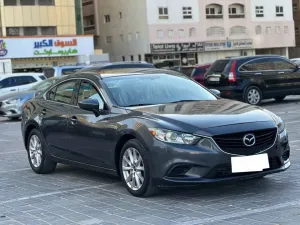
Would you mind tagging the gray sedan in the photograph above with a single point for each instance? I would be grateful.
(11, 104)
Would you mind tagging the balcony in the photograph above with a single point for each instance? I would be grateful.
(236, 11)
(214, 11)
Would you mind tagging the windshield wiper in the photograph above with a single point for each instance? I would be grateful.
(185, 101)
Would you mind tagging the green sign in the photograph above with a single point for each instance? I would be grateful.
(50, 52)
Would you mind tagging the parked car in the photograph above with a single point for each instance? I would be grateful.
(254, 78)
(199, 72)
(187, 70)
(153, 128)
(11, 104)
(59, 71)
(16, 82)
(296, 61)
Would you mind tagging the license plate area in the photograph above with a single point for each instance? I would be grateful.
(254, 163)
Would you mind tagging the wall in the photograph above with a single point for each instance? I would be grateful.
(61, 15)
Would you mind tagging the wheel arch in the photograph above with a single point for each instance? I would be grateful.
(29, 127)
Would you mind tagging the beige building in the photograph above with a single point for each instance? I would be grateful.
(32, 21)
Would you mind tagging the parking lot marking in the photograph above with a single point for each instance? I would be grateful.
(17, 170)
(295, 141)
(11, 152)
(291, 122)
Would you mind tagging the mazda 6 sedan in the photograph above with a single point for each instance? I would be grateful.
(154, 128)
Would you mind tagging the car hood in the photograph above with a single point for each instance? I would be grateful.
(206, 114)
(21, 94)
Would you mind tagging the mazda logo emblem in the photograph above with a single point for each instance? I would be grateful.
(249, 140)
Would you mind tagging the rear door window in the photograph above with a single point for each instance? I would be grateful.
(218, 67)
(283, 65)
(27, 80)
(257, 65)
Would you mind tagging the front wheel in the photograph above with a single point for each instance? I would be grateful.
(135, 169)
(38, 157)
(253, 95)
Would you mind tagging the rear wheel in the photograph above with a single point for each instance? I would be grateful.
(38, 157)
(253, 95)
(135, 169)
(279, 98)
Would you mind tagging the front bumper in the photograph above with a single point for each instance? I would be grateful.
(11, 110)
(174, 165)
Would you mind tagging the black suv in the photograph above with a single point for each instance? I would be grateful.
(254, 78)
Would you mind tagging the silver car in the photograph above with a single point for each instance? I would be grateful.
(11, 104)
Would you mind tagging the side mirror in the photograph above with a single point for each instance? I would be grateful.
(216, 92)
(90, 105)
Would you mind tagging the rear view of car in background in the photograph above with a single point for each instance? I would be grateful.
(199, 72)
(59, 71)
(254, 78)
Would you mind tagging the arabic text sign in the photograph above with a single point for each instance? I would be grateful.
(48, 47)
(177, 47)
(227, 45)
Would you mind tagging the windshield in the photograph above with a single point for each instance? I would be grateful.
(44, 84)
(154, 89)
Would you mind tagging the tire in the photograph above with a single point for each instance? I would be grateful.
(39, 158)
(253, 95)
(147, 187)
(279, 98)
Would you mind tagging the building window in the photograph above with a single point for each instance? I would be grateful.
(279, 11)
(192, 32)
(120, 15)
(181, 33)
(258, 29)
(89, 23)
(140, 58)
(269, 30)
(137, 35)
(295, 5)
(170, 33)
(108, 40)
(259, 11)
(46, 2)
(123, 58)
(286, 29)
(160, 34)
(106, 18)
(130, 37)
(214, 11)
(122, 37)
(236, 11)
(13, 31)
(297, 31)
(27, 2)
(238, 30)
(88, 3)
(132, 58)
(30, 31)
(10, 2)
(163, 13)
(277, 29)
(215, 32)
(187, 12)
(48, 31)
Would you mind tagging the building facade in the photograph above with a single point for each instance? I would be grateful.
(295, 52)
(192, 31)
(26, 22)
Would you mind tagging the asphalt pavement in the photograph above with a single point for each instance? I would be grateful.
(76, 196)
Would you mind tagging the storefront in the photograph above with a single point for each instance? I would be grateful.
(198, 52)
(35, 53)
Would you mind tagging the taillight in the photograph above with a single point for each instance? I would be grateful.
(232, 74)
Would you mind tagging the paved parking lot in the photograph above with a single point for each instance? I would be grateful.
(75, 196)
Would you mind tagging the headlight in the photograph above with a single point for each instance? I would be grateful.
(173, 136)
(280, 125)
(14, 101)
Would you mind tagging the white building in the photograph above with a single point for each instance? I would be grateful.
(192, 31)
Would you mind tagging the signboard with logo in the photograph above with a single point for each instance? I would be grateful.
(177, 47)
(46, 47)
(227, 45)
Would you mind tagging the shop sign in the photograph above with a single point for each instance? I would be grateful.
(227, 45)
(177, 47)
(46, 47)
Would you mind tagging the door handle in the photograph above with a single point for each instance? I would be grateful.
(280, 72)
(73, 120)
(44, 112)
(13, 90)
(257, 74)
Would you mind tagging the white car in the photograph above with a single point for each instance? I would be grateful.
(15, 82)
(296, 61)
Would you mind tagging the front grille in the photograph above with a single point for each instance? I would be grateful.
(234, 144)
(225, 170)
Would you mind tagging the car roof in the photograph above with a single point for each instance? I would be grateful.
(67, 67)
(119, 65)
(2, 76)
(251, 57)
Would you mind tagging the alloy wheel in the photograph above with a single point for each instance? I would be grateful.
(253, 96)
(35, 151)
(133, 169)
